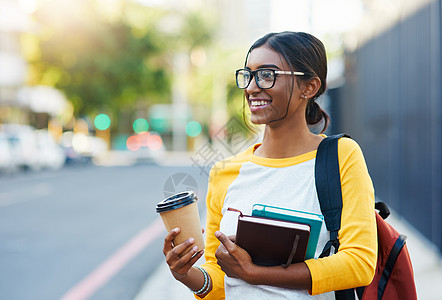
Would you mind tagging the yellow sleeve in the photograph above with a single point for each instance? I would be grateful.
(221, 176)
(354, 264)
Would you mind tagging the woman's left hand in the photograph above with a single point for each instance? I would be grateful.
(234, 260)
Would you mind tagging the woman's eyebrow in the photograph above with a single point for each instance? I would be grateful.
(266, 67)
(269, 66)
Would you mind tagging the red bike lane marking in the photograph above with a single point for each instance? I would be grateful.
(111, 266)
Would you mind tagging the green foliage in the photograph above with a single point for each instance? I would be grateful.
(101, 65)
(119, 60)
(197, 31)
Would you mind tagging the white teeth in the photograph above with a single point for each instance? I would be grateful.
(259, 102)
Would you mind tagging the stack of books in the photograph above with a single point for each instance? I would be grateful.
(278, 236)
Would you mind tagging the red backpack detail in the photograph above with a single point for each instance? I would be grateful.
(394, 278)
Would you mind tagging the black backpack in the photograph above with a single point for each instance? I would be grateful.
(394, 277)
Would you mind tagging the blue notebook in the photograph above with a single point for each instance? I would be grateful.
(313, 220)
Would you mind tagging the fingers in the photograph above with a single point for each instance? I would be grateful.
(232, 238)
(182, 257)
(180, 266)
(168, 240)
(175, 250)
(230, 246)
(182, 249)
(194, 256)
(221, 251)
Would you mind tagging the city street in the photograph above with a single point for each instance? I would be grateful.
(85, 232)
(109, 107)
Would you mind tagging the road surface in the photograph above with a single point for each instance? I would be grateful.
(85, 232)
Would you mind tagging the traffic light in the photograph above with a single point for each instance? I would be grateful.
(140, 125)
(102, 122)
(193, 129)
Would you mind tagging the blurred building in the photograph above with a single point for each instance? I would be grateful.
(13, 21)
(20, 103)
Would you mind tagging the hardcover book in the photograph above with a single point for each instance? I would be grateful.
(272, 242)
(313, 220)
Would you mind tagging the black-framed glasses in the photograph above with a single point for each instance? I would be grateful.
(265, 78)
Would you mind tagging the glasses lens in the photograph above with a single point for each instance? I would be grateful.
(243, 78)
(266, 78)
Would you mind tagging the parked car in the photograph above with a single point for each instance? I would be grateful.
(23, 143)
(8, 163)
(33, 149)
(50, 154)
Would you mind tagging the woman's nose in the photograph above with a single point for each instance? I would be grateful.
(253, 87)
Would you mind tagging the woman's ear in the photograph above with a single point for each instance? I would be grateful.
(311, 87)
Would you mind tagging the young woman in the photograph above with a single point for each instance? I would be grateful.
(283, 76)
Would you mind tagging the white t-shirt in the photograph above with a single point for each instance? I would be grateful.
(290, 187)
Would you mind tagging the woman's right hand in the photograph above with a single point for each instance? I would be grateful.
(180, 264)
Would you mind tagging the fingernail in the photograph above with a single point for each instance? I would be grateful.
(191, 240)
(176, 229)
(217, 234)
(195, 248)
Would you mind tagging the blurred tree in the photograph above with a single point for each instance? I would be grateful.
(197, 31)
(116, 56)
(97, 57)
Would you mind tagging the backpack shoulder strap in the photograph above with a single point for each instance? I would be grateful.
(328, 187)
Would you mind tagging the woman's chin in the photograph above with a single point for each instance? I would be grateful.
(258, 120)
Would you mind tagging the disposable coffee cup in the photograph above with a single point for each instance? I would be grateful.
(181, 210)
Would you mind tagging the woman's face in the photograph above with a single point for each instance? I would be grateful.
(271, 104)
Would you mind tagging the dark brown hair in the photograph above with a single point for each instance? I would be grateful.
(304, 53)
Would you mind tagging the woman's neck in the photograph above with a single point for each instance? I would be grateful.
(287, 141)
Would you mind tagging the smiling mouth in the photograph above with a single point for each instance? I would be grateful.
(259, 103)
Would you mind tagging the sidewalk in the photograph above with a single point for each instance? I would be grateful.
(162, 286)
(427, 266)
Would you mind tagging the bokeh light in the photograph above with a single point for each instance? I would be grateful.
(154, 142)
(133, 143)
(80, 143)
(193, 129)
(102, 122)
(144, 137)
(140, 125)
(144, 140)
